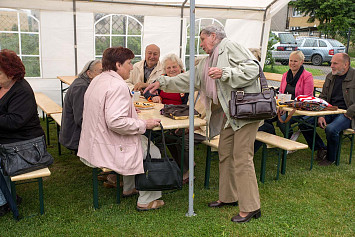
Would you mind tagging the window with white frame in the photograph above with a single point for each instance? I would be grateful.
(199, 25)
(113, 30)
(294, 28)
(19, 31)
(296, 13)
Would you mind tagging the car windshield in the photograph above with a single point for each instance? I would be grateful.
(287, 38)
(335, 43)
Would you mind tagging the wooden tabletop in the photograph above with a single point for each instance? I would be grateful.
(313, 113)
(278, 77)
(168, 123)
(67, 79)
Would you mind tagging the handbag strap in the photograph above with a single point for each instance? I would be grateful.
(263, 82)
(148, 157)
(288, 117)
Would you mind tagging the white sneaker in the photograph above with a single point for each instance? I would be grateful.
(295, 135)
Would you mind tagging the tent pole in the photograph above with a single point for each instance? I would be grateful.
(75, 42)
(181, 25)
(191, 109)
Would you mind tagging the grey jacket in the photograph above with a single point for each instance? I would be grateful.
(72, 116)
(237, 73)
(348, 88)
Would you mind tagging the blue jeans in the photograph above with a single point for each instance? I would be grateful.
(335, 124)
(2, 197)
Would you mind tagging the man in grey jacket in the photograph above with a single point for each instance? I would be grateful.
(72, 116)
(338, 90)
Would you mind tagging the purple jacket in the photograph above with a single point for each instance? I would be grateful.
(111, 131)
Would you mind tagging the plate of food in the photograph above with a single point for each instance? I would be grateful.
(143, 105)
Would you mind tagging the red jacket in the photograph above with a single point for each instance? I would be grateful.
(170, 98)
(304, 86)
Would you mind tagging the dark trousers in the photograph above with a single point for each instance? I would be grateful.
(267, 127)
(335, 124)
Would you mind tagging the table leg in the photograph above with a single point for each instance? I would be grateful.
(61, 92)
(284, 157)
(182, 152)
(314, 139)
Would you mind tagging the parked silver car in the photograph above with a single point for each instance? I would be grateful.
(319, 50)
(283, 47)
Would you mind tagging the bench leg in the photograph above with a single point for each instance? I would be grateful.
(337, 160)
(40, 190)
(351, 147)
(263, 163)
(278, 163)
(117, 189)
(13, 190)
(95, 186)
(59, 148)
(208, 167)
(314, 141)
(47, 126)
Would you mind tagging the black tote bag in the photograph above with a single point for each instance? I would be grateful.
(159, 174)
(25, 156)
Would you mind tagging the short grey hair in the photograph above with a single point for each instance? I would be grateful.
(174, 58)
(299, 54)
(218, 30)
(89, 65)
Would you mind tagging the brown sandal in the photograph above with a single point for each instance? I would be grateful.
(156, 204)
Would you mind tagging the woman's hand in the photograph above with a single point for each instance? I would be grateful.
(215, 73)
(152, 123)
(152, 87)
(139, 86)
(157, 99)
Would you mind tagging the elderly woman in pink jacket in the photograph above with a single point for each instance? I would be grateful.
(111, 134)
(296, 81)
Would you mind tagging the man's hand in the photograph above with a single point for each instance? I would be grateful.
(152, 123)
(139, 86)
(152, 87)
(321, 122)
(215, 73)
(348, 117)
(157, 99)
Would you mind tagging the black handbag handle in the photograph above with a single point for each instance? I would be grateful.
(148, 157)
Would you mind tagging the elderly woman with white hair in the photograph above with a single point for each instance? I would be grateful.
(228, 67)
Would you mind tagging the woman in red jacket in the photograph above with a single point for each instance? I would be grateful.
(172, 66)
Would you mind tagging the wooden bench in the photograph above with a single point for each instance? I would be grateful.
(348, 133)
(58, 119)
(35, 176)
(48, 107)
(269, 141)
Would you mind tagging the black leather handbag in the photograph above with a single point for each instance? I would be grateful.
(25, 156)
(159, 174)
(256, 106)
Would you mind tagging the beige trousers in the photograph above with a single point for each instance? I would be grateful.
(237, 179)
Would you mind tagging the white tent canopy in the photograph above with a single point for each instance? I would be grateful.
(247, 22)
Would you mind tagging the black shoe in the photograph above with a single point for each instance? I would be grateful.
(221, 204)
(4, 209)
(325, 162)
(321, 155)
(256, 214)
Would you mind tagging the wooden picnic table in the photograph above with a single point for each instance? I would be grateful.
(313, 126)
(66, 80)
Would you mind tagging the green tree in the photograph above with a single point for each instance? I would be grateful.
(334, 15)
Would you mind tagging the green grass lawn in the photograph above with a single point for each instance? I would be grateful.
(320, 202)
(281, 69)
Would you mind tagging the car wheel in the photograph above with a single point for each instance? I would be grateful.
(284, 62)
(317, 60)
(267, 61)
